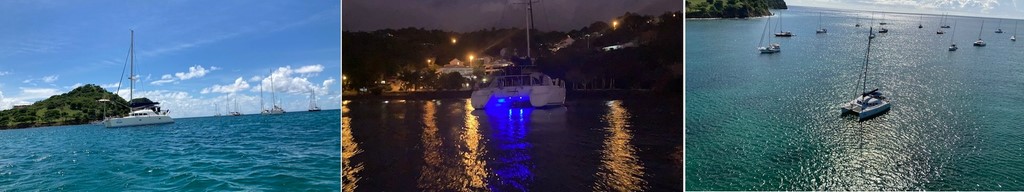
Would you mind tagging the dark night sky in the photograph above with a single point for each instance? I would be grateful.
(472, 15)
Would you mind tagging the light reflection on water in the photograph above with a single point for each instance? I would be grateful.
(434, 172)
(620, 169)
(509, 127)
(953, 125)
(457, 148)
(476, 167)
(349, 148)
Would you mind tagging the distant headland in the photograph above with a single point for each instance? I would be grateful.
(731, 8)
(79, 106)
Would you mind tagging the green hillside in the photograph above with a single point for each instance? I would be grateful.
(78, 106)
(731, 8)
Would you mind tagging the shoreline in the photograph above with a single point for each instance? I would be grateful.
(570, 94)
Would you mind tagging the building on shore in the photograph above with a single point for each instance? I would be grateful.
(21, 106)
(455, 65)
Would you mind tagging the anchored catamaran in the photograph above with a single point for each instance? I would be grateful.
(143, 111)
(868, 104)
(520, 83)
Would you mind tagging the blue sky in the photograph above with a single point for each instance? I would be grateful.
(978, 8)
(190, 55)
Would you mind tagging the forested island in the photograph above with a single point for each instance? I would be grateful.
(79, 106)
(629, 52)
(731, 8)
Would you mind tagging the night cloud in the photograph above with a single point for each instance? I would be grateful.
(463, 16)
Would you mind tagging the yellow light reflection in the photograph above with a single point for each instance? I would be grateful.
(620, 167)
(476, 169)
(349, 148)
(434, 175)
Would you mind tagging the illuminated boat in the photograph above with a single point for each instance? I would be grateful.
(511, 90)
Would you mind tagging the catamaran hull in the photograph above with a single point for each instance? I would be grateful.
(541, 96)
(537, 96)
(138, 121)
(480, 98)
(872, 112)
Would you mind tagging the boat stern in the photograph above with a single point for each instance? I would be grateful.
(547, 95)
(479, 98)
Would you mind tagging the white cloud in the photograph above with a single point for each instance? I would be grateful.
(47, 79)
(37, 93)
(328, 82)
(255, 78)
(164, 79)
(111, 85)
(239, 85)
(50, 79)
(310, 69)
(2, 73)
(194, 72)
(284, 82)
(27, 96)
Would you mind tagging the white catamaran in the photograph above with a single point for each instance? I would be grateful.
(868, 104)
(519, 83)
(979, 42)
(143, 111)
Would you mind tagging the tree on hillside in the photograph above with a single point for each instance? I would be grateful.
(52, 115)
(452, 81)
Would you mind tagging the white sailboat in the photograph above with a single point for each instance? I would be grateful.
(868, 104)
(143, 111)
(820, 29)
(236, 112)
(999, 27)
(943, 23)
(782, 33)
(772, 47)
(858, 21)
(312, 100)
(1014, 36)
(952, 45)
(979, 42)
(216, 107)
(275, 110)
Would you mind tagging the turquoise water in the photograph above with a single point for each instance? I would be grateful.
(292, 152)
(772, 122)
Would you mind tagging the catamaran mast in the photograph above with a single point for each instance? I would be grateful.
(312, 98)
(273, 95)
(867, 57)
(529, 25)
(262, 108)
(131, 75)
(981, 29)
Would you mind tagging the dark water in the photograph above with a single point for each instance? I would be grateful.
(771, 122)
(445, 145)
(297, 151)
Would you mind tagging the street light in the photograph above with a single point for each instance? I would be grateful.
(471, 60)
(615, 24)
(454, 40)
